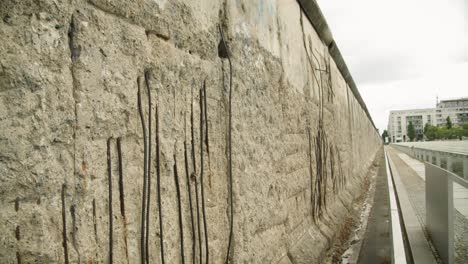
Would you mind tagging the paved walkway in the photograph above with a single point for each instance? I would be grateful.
(377, 244)
(460, 194)
(411, 195)
(413, 182)
(415, 164)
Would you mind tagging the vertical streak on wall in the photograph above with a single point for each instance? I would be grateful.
(148, 198)
(202, 185)
(64, 226)
(122, 197)
(158, 182)
(109, 202)
(145, 175)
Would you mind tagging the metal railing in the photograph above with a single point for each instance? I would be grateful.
(453, 161)
(446, 182)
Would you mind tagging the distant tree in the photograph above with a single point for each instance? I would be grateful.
(443, 133)
(384, 135)
(419, 137)
(455, 133)
(426, 128)
(465, 130)
(449, 123)
(430, 132)
(411, 131)
(440, 132)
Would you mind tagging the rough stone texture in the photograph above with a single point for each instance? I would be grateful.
(68, 83)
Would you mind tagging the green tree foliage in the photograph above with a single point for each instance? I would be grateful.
(442, 133)
(430, 132)
(456, 132)
(465, 130)
(449, 123)
(411, 131)
(426, 128)
(384, 135)
(433, 132)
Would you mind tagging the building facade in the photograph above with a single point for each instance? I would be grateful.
(398, 120)
(456, 109)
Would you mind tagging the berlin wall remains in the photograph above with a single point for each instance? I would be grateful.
(127, 127)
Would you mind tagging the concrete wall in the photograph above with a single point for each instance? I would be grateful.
(301, 142)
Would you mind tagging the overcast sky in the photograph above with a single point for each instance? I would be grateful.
(402, 53)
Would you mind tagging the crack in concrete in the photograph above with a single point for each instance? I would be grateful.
(75, 52)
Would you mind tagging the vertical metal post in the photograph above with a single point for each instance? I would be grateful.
(438, 159)
(465, 167)
(439, 211)
(450, 161)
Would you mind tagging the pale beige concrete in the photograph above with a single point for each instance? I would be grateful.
(68, 83)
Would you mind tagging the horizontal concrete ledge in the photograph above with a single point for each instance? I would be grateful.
(420, 248)
(316, 18)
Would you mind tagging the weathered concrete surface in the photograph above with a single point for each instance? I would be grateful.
(68, 83)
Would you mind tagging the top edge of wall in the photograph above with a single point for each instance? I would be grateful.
(318, 21)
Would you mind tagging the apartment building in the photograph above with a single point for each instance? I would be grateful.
(456, 109)
(398, 121)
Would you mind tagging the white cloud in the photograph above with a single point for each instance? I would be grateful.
(402, 53)
(448, 82)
